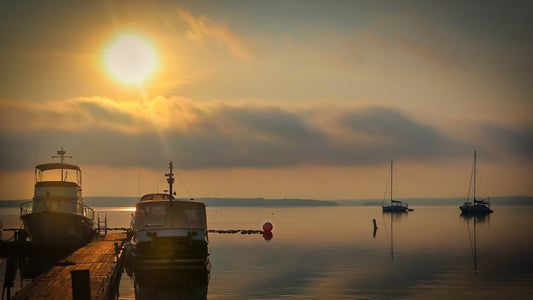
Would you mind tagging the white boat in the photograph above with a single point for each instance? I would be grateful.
(57, 217)
(476, 205)
(168, 232)
(395, 205)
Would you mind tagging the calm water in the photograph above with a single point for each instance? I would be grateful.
(331, 252)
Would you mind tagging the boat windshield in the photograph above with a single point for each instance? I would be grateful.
(58, 174)
(170, 214)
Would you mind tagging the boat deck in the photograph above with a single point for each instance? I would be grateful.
(99, 257)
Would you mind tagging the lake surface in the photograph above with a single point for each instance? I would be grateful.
(332, 253)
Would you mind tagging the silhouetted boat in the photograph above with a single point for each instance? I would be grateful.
(476, 206)
(169, 232)
(57, 217)
(395, 205)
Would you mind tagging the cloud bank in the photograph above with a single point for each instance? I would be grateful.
(213, 135)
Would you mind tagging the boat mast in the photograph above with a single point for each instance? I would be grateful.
(61, 154)
(170, 179)
(391, 182)
(474, 176)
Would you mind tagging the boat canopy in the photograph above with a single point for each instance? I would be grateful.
(57, 166)
(58, 172)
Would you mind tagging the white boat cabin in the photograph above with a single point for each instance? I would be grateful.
(57, 189)
(158, 210)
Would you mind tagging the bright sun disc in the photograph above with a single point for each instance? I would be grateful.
(130, 59)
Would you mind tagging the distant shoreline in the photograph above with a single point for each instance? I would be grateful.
(262, 202)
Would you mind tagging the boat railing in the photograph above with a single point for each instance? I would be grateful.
(81, 209)
(26, 208)
(88, 211)
(482, 201)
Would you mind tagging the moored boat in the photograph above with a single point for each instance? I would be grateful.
(476, 206)
(395, 205)
(57, 217)
(169, 232)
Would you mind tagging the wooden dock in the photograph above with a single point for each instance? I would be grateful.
(99, 257)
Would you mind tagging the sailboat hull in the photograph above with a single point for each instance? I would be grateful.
(478, 208)
(395, 208)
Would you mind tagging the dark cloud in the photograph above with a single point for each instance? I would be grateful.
(235, 136)
(396, 134)
(512, 141)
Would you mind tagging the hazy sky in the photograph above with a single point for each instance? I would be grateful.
(274, 99)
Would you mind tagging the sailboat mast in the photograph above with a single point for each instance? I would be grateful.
(474, 175)
(391, 181)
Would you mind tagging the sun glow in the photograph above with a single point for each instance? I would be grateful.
(130, 59)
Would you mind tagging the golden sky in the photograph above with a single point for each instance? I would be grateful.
(274, 99)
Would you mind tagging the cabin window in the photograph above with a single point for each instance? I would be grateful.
(155, 211)
(193, 217)
(187, 216)
(150, 215)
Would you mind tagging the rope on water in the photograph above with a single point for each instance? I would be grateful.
(241, 231)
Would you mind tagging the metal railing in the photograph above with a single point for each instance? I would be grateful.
(81, 209)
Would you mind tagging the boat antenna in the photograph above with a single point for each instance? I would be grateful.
(170, 180)
(61, 154)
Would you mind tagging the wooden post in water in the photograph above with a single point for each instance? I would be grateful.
(81, 284)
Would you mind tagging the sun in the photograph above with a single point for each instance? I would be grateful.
(130, 59)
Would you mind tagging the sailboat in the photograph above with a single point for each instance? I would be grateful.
(477, 206)
(395, 205)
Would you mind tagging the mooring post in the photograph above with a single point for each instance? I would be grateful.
(81, 284)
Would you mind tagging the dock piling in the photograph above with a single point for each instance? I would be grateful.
(81, 284)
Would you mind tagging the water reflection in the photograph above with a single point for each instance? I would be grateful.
(395, 217)
(474, 218)
(17, 271)
(171, 283)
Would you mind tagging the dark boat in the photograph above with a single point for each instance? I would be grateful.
(169, 232)
(479, 206)
(57, 217)
(395, 205)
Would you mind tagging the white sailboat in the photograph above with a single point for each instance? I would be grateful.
(476, 206)
(395, 205)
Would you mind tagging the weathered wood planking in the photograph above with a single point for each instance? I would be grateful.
(98, 257)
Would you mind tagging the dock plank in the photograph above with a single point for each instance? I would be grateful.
(98, 257)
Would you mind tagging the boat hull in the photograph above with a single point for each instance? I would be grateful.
(163, 252)
(58, 230)
(465, 209)
(395, 208)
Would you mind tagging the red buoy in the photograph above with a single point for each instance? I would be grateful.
(267, 227)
